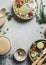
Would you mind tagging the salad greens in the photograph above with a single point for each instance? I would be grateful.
(26, 0)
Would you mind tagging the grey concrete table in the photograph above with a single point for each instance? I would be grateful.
(21, 35)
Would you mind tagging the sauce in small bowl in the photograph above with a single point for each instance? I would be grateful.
(20, 55)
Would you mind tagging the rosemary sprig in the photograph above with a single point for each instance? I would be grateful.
(41, 19)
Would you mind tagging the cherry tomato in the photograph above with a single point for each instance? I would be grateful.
(30, 13)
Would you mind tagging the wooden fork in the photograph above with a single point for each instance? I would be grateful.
(36, 61)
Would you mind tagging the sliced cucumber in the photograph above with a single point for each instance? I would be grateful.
(34, 54)
(40, 45)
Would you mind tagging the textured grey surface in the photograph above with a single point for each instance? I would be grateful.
(21, 35)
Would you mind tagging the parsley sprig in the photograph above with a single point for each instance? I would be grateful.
(9, 16)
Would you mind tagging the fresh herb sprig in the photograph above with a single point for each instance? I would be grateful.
(41, 19)
(9, 16)
(4, 31)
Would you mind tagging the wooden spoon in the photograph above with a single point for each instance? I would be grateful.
(36, 61)
(2, 16)
(2, 12)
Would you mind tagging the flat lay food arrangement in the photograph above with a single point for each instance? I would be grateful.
(22, 43)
